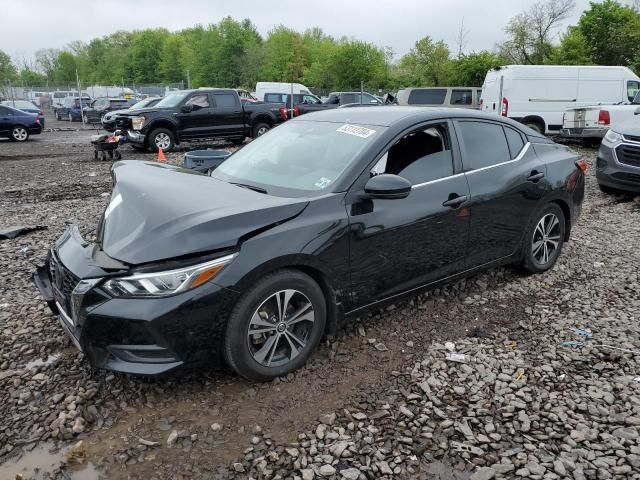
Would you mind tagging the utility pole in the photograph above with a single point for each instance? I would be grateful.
(80, 100)
(188, 79)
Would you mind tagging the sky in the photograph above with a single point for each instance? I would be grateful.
(29, 25)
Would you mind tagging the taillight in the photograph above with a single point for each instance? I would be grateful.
(505, 107)
(283, 113)
(604, 118)
(296, 111)
(582, 165)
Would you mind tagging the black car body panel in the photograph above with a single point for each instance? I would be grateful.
(362, 250)
(234, 120)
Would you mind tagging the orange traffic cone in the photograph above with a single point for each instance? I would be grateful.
(161, 157)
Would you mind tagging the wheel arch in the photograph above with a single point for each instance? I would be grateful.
(262, 118)
(309, 265)
(564, 206)
(163, 123)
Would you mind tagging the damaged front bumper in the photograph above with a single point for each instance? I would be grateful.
(146, 336)
(136, 138)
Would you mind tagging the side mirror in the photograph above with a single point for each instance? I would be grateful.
(387, 186)
(187, 108)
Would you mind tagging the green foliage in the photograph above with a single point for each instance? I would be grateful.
(611, 32)
(65, 67)
(572, 50)
(427, 64)
(470, 69)
(7, 69)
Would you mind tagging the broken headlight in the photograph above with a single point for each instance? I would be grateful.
(170, 282)
(612, 137)
(138, 122)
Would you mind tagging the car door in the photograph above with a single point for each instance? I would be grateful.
(506, 181)
(198, 118)
(400, 244)
(229, 114)
(6, 119)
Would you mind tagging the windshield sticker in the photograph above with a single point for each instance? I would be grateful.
(322, 183)
(114, 203)
(356, 130)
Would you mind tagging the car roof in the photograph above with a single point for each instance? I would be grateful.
(388, 116)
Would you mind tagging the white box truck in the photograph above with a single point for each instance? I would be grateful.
(538, 95)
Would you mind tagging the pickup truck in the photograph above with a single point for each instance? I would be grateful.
(591, 123)
(197, 114)
(339, 99)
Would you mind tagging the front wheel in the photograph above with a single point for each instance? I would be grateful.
(161, 138)
(544, 239)
(19, 134)
(260, 129)
(275, 326)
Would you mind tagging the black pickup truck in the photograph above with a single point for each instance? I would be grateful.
(196, 114)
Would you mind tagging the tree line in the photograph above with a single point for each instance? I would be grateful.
(232, 53)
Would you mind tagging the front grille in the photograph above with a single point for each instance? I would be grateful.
(628, 155)
(63, 281)
(632, 138)
(628, 177)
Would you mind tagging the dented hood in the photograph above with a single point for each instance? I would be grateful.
(158, 212)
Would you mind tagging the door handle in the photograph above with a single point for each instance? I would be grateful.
(535, 176)
(456, 201)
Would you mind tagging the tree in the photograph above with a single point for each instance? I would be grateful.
(143, 60)
(7, 69)
(572, 50)
(530, 33)
(354, 62)
(427, 64)
(172, 67)
(65, 67)
(611, 33)
(470, 70)
(45, 61)
(283, 56)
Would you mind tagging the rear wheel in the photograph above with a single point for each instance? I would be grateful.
(19, 134)
(260, 129)
(161, 138)
(275, 326)
(544, 239)
(536, 126)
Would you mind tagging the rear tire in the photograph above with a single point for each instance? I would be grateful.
(544, 239)
(260, 129)
(162, 138)
(19, 134)
(279, 345)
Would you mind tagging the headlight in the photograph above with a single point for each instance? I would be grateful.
(138, 122)
(612, 137)
(170, 282)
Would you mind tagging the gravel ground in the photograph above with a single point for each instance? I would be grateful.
(468, 381)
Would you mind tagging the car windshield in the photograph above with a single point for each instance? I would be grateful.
(298, 158)
(20, 104)
(172, 100)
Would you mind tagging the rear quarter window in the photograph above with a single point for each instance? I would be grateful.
(514, 140)
(427, 96)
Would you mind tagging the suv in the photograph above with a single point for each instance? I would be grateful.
(618, 163)
(457, 97)
(195, 114)
(101, 106)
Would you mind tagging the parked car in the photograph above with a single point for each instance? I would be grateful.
(618, 162)
(72, 107)
(57, 98)
(109, 118)
(246, 96)
(538, 95)
(18, 125)
(201, 113)
(101, 106)
(25, 106)
(456, 97)
(339, 99)
(590, 124)
(255, 262)
(298, 99)
(279, 87)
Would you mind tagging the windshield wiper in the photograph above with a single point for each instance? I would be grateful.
(250, 187)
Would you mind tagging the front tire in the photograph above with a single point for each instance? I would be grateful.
(544, 239)
(19, 134)
(162, 138)
(275, 326)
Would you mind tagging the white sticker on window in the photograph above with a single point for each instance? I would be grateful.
(114, 203)
(323, 182)
(356, 130)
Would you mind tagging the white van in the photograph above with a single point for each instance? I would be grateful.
(279, 87)
(538, 95)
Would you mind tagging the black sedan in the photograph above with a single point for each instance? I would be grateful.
(323, 217)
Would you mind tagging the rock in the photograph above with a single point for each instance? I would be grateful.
(238, 467)
(558, 467)
(307, 474)
(173, 437)
(78, 425)
(326, 471)
(148, 443)
(328, 419)
(384, 468)
(350, 473)
(216, 427)
(406, 412)
(483, 473)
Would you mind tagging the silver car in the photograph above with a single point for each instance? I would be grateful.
(618, 163)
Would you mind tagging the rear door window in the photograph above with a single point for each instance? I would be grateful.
(485, 144)
(461, 97)
(224, 100)
(427, 96)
